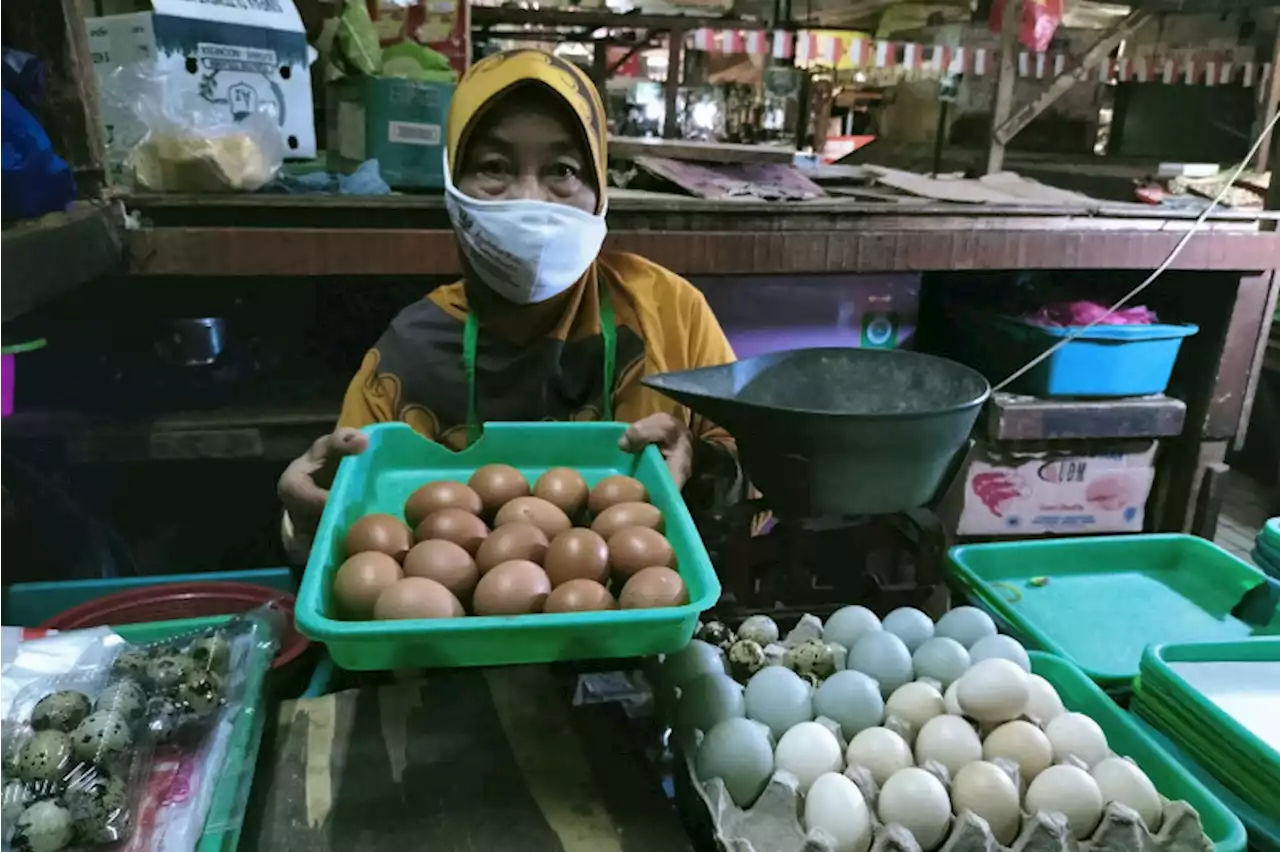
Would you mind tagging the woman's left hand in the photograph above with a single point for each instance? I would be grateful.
(670, 435)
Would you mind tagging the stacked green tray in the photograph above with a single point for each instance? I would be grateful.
(1266, 550)
(1100, 601)
(1244, 761)
(1126, 738)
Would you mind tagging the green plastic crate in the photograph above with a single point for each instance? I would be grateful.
(1100, 601)
(1126, 738)
(399, 460)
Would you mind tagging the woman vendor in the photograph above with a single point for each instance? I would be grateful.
(544, 326)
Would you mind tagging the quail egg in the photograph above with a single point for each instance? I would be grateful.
(45, 757)
(132, 663)
(60, 711)
(98, 808)
(168, 670)
(716, 633)
(760, 629)
(201, 692)
(211, 652)
(125, 697)
(810, 658)
(102, 738)
(166, 719)
(13, 801)
(43, 827)
(746, 657)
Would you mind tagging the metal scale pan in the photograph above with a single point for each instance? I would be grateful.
(838, 432)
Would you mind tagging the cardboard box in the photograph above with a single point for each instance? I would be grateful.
(1064, 488)
(398, 122)
(232, 56)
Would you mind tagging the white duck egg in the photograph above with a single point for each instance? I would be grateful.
(1070, 791)
(1024, 744)
(852, 699)
(881, 751)
(738, 752)
(1043, 703)
(917, 801)
(1121, 780)
(988, 791)
(916, 703)
(708, 700)
(949, 740)
(1000, 647)
(942, 659)
(967, 625)
(807, 751)
(910, 625)
(1076, 735)
(835, 805)
(779, 698)
(949, 698)
(884, 658)
(993, 690)
(695, 659)
(849, 624)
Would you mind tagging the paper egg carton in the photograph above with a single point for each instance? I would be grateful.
(773, 824)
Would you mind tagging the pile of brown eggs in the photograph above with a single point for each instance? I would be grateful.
(495, 546)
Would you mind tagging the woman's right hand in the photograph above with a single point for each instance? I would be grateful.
(303, 498)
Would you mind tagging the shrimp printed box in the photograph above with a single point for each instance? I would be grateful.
(1037, 489)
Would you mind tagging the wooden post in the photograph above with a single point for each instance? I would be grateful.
(600, 65)
(671, 89)
(1006, 74)
(1270, 103)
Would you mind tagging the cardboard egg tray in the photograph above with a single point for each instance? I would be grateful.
(774, 824)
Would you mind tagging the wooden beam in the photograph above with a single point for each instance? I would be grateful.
(671, 88)
(1006, 74)
(1097, 52)
(1267, 108)
(1201, 7)
(486, 16)
(54, 31)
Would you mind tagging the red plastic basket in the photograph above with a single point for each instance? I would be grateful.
(185, 600)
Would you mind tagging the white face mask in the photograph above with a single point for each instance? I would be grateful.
(525, 251)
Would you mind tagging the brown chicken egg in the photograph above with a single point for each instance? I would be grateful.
(461, 528)
(441, 495)
(417, 597)
(534, 510)
(616, 489)
(632, 549)
(383, 533)
(579, 596)
(516, 540)
(360, 580)
(446, 563)
(653, 587)
(564, 488)
(577, 554)
(498, 484)
(512, 588)
(621, 515)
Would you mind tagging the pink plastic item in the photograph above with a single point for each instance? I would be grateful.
(1065, 314)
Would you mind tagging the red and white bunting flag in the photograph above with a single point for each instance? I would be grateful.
(1247, 79)
(756, 42)
(858, 51)
(1059, 64)
(1225, 71)
(734, 41)
(1169, 71)
(912, 55)
(784, 44)
(940, 59)
(1142, 69)
(886, 55)
(830, 49)
(980, 62)
(959, 61)
(1122, 69)
(704, 39)
(1210, 73)
(1190, 73)
(1024, 64)
(806, 47)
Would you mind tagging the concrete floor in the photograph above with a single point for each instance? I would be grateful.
(1244, 510)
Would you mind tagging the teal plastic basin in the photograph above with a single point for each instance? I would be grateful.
(400, 460)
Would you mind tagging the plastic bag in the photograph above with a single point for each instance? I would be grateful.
(176, 141)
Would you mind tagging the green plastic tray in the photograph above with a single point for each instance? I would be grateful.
(399, 460)
(1126, 738)
(1270, 532)
(1100, 601)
